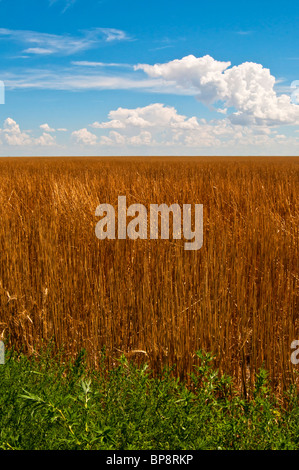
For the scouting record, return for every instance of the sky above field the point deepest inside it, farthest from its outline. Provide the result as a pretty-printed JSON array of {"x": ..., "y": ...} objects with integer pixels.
[{"x": 115, "y": 77}]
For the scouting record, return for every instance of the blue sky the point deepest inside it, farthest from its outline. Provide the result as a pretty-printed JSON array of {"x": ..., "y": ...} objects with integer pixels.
[{"x": 108, "y": 77}]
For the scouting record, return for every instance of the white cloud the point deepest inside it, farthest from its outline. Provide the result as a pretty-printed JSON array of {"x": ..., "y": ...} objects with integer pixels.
[
  {"x": 45, "y": 43},
  {"x": 46, "y": 128},
  {"x": 13, "y": 136},
  {"x": 83, "y": 136},
  {"x": 38, "y": 50},
  {"x": 69, "y": 79},
  {"x": 153, "y": 115},
  {"x": 144, "y": 138},
  {"x": 247, "y": 88},
  {"x": 87, "y": 63},
  {"x": 161, "y": 127},
  {"x": 113, "y": 124},
  {"x": 112, "y": 34},
  {"x": 155, "y": 129},
  {"x": 244, "y": 93},
  {"x": 67, "y": 4},
  {"x": 45, "y": 140},
  {"x": 115, "y": 138}
]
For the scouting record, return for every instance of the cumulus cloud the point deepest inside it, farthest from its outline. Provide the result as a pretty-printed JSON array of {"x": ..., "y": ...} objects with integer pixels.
[
  {"x": 47, "y": 128},
  {"x": 115, "y": 138},
  {"x": 153, "y": 115},
  {"x": 146, "y": 125},
  {"x": 159, "y": 124},
  {"x": 156, "y": 129},
  {"x": 247, "y": 89},
  {"x": 83, "y": 136},
  {"x": 113, "y": 124},
  {"x": 144, "y": 138},
  {"x": 45, "y": 140},
  {"x": 161, "y": 127},
  {"x": 12, "y": 135}
]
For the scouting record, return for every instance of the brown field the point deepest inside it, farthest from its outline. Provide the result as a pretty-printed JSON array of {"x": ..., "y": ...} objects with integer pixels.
[{"x": 236, "y": 297}]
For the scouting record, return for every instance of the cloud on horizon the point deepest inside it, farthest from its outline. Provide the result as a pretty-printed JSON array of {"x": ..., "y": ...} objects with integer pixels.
[
  {"x": 12, "y": 135},
  {"x": 159, "y": 126},
  {"x": 155, "y": 129}
]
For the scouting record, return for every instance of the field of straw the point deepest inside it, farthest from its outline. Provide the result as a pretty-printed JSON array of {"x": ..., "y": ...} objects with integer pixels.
[{"x": 236, "y": 297}]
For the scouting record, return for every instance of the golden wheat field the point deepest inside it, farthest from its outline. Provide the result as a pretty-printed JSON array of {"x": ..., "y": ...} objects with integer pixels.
[{"x": 236, "y": 297}]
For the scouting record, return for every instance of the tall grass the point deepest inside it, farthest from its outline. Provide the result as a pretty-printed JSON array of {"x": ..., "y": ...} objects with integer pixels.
[
  {"x": 236, "y": 297},
  {"x": 47, "y": 403}
]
